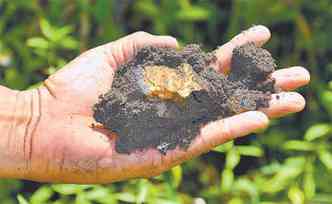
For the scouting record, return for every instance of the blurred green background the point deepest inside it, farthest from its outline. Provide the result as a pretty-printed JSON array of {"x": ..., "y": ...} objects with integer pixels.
[{"x": 291, "y": 162}]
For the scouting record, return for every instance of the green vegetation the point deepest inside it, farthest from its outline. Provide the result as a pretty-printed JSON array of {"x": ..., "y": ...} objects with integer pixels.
[{"x": 291, "y": 162}]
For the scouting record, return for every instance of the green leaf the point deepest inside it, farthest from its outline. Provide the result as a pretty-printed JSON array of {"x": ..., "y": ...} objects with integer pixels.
[
  {"x": 184, "y": 4},
  {"x": 148, "y": 8},
  {"x": 6, "y": 59},
  {"x": 81, "y": 199},
  {"x": 322, "y": 198},
  {"x": 177, "y": 175},
  {"x": 38, "y": 43},
  {"x": 22, "y": 200},
  {"x": 46, "y": 28},
  {"x": 34, "y": 86},
  {"x": 143, "y": 191},
  {"x": 326, "y": 99},
  {"x": 224, "y": 147},
  {"x": 65, "y": 189},
  {"x": 42, "y": 195},
  {"x": 267, "y": 202},
  {"x": 14, "y": 79},
  {"x": 295, "y": 195},
  {"x": 232, "y": 159},
  {"x": 126, "y": 197},
  {"x": 51, "y": 70},
  {"x": 69, "y": 189},
  {"x": 290, "y": 170},
  {"x": 236, "y": 201},
  {"x": 194, "y": 13},
  {"x": 60, "y": 33},
  {"x": 330, "y": 84},
  {"x": 317, "y": 131},
  {"x": 271, "y": 168},
  {"x": 247, "y": 186},
  {"x": 69, "y": 43},
  {"x": 309, "y": 184},
  {"x": 326, "y": 158},
  {"x": 227, "y": 179},
  {"x": 101, "y": 194},
  {"x": 298, "y": 145},
  {"x": 163, "y": 201},
  {"x": 296, "y": 162},
  {"x": 250, "y": 151}
]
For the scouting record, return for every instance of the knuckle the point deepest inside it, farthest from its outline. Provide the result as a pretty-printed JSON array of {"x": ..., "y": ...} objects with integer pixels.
[
  {"x": 262, "y": 118},
  {"x": 225, "y": 132},
  {"x": 203, "y": 144},
  {"x": 222, "y": 133},
  {"x": 158, "y": 164}
]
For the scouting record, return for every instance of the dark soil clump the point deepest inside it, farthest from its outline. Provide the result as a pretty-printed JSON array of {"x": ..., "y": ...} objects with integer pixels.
[{"x": 163, "y": 97}]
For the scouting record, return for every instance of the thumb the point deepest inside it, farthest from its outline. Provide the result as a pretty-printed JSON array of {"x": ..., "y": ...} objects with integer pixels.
[
  {"x": 122, "y": 50},
  {"x": 93, "y": 70}
]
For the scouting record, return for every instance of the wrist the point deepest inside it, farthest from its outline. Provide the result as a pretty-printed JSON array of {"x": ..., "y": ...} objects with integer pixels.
[{"x": 19, "y": 115}]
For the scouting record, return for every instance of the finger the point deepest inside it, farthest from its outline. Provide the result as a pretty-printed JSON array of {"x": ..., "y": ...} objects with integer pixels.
[
  {"x": 291, "y": 78},
  {"x": 285, "y": 103},
  {"x": 220, "y": 131},
  {"x": 217, "y": 133},
  {"x": 141, "y": 39},
  {"x": 257, "y": 34},
  {"x": 125, "y": 48}
]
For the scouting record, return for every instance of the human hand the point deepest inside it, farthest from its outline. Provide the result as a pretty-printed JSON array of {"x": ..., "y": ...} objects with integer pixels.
[{"x": 63, "y": 147}]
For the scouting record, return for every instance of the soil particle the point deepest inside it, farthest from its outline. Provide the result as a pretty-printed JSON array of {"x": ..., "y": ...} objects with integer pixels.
[{"x": 163, "y": 97}]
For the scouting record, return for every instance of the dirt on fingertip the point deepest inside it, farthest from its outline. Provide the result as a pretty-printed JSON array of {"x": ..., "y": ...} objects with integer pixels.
[{"x": 162, "y": 97}]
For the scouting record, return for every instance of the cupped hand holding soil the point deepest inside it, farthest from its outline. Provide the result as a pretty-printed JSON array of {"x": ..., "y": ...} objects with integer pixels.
[
  {"x": 163, "y": 97},
  {"x": 66, "y": 148}
]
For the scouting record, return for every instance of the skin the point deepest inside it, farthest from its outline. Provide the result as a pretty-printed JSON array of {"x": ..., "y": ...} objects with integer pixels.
[{"x": 47, "y": 134}]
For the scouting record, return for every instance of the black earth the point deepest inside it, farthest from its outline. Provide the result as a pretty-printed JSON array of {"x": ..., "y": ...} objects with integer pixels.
[{"x": 162, "y": 97}]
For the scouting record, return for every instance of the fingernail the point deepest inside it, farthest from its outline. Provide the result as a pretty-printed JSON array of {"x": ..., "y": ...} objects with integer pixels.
[
  {"x": 294, "y": 77},
  {"x": 299, "y": 72},
  {"x": 250, "y": 122},
  {"x": 257, "y": 28}
]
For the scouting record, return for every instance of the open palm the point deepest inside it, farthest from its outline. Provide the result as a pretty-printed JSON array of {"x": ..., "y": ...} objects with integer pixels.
[{"x": 66, "y": 148}]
